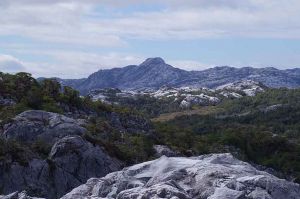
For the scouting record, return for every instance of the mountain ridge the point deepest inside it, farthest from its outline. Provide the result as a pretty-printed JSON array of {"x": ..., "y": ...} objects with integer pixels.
[{"x": 155, "y": 72}]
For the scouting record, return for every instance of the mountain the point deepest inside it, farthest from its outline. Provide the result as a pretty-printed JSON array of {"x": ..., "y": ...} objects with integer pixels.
[{"x": 154, "y": 73}]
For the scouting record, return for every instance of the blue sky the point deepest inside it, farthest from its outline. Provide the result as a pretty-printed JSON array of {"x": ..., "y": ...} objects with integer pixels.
[{"x": 73, "y": 38}]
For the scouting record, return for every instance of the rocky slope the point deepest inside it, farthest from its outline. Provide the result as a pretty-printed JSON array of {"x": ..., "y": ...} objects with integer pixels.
[
  {"x": 154, "y": 73},
  {"x": 47, "y": 154},
  {"x": 212, "y": 176},
  {"x": 185, "y": 97},
  {"x": 71, "y": 160},
  {"x": 209, "y": 176}
]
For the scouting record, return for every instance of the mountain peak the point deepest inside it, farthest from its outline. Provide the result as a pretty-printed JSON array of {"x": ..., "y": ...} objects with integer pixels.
[{"x": 153, "y": 61}]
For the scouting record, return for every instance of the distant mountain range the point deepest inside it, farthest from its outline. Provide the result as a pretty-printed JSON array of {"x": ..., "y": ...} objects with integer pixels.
[{"x": 154, "y": 73}]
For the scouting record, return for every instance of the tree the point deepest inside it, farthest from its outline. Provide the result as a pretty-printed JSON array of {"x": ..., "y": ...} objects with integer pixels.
[
  {"x": 34, "y": 98},
  {"x": 23, "y": 83},
  {"x": 71, "y": 96},
  {"x": 51, "y": 88}
]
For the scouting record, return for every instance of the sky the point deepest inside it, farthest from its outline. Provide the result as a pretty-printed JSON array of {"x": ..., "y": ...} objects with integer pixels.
[{"x": 74, "y": 38}]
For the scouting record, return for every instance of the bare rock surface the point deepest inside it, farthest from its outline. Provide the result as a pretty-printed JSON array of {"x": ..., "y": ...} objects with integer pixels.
[
  {"x": 18, "y": 195},
  {"x": 215, "y": 176},
  {"x": 34, "y": 125},
  {"x": 71, "y": 162},
  {"x": 6, "y": 101}
]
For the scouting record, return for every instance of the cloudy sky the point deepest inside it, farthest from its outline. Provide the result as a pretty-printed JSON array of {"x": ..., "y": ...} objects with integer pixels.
[{"x": 73, "y": 38}]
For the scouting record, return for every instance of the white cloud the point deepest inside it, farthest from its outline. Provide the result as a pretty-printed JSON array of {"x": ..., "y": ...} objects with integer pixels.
[
  {"x": 74, "y": 24},
  {"x": 61, "y": 23},
  {"x": 78, "y": 64},
  {"x": 251, "y": 19},
  {"x": 67, "y": 64},
  {"x": 189, "y": 65},
  {"x": 10, "y": 64},
  {"x": 83, "y": 64}
]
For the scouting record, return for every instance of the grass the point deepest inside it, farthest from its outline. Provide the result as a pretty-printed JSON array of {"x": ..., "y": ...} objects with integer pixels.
[{"x": 205, "y": 110}]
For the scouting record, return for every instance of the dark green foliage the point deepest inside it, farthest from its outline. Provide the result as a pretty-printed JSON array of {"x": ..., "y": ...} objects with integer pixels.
[
  {"x": 11, "y": 151},
  {"x": 51, "y": 88},
  {"x": 42, "y": 148},
  {"x": 130, "y": 148},
  {"x": 135, "y": 148},
  {"x": 16, "y": 86},
  {"x": 144, "y": 104},
  {"x": 71, "y": 96},
  {"x": 150, "y": 106},
  {"x": 30, "y": 94}
]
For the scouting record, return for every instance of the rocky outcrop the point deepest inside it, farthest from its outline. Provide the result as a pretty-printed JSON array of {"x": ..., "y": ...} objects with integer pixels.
[
  {"x": 162, "y": 150},
  {"x": 183, "y": 97},
  {"x": 6, "y": 101},
  {"x": 34, "y": 125},
  {"x": 272, "y": 108},
  {"x": 71, "y": 162},
  {"x": 246, "y": 87},
  {"x": 212, "y": 176},
  {"x": 75, "y": 156}
]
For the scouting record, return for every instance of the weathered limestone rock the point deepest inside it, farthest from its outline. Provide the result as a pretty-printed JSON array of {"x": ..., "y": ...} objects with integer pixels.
[
  {"x": 215, "y": 176},
  {"x": 34, "y": 125}
]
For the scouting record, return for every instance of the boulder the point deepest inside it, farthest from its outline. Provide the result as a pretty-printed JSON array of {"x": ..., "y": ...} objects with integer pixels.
[
  {"x": 34, "y": 125},
  {"x": 214, "y": 176},
  {"x": 79, "y": 158}
]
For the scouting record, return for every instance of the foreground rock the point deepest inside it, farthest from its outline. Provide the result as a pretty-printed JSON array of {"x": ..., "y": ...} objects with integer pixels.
[
  {"x": 216, "y": 176},
  {"x": 18, "y": 195},
  {"x": 34, "y": 125},
  {"x": 71, "y": 162}
]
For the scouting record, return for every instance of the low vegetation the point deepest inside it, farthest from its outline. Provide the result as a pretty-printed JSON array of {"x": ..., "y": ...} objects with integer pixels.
[{"x": 264, "y": 129}]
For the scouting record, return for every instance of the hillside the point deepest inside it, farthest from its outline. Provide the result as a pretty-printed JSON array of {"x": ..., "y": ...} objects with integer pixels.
[
  {"x": 264, "y": 129},
  {"x": 170, "y": 99}
]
